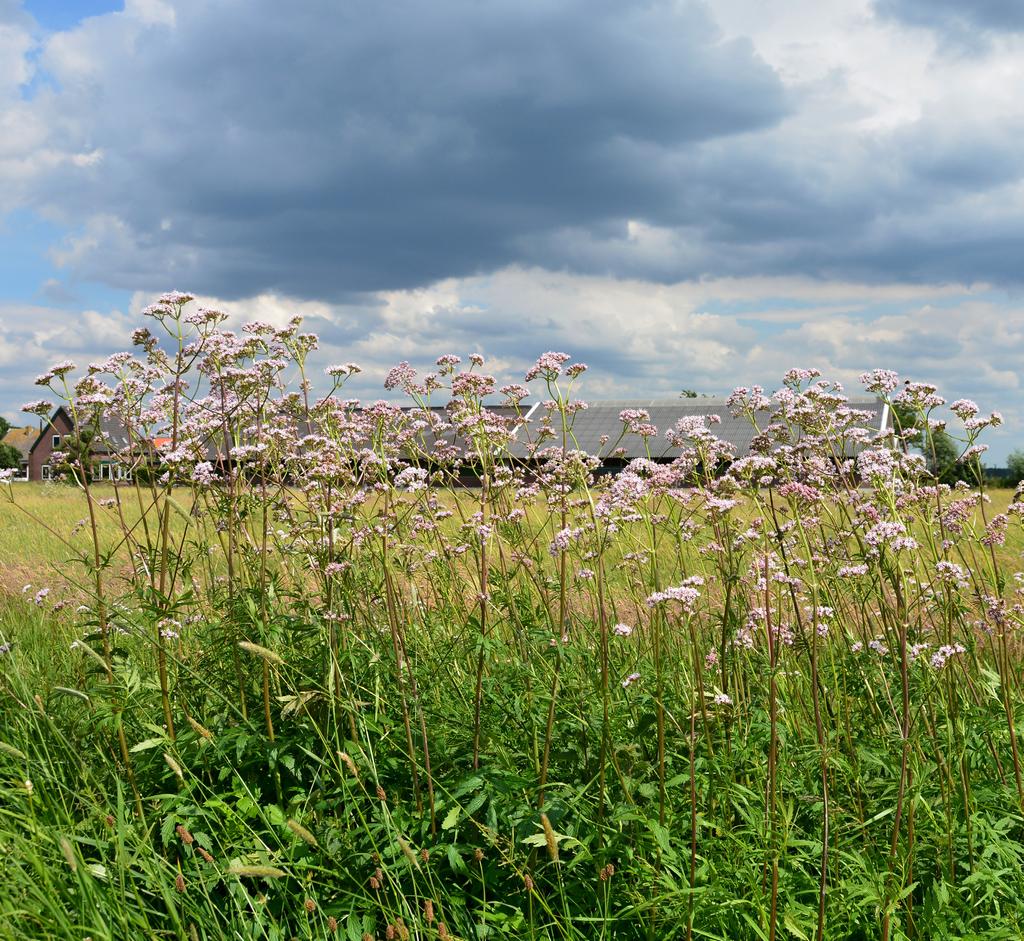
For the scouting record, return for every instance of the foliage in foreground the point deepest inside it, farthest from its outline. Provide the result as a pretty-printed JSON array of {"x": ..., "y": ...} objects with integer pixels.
[{"x": 318, "y": 692}]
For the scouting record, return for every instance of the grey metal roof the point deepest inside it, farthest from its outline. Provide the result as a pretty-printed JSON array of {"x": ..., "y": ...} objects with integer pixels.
[
  {"x": 587, "y": 428},
  {"x": 602, "y": 418},
  {"x": 113, "y": 433}
]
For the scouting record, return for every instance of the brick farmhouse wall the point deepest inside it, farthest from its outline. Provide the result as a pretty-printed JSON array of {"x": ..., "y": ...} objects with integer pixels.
[{"x": 40, "y": 455}]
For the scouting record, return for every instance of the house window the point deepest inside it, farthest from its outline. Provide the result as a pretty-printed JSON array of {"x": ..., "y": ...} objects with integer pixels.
[
  {"x": 46, "y": 472},
  {"x": 56, "y": 441}
]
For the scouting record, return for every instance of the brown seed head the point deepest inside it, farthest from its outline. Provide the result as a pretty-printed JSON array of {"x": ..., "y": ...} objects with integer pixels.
[
  {"x": 204, "y": 854},
  {"x": 184, "y": 835},
  {"x": 374, "y": 883},
  {"x": 425, "y": 855},
  {"x": 381, "y": 794},
  {"x": 607, "y": 872},
  {"x": 478, "y": 855},
  {"x": 428, "y": 911},
  {"x": 349, "y": 763},
  {"x": 179, "y": 882},
  {"x": 549, "y": 838},
  {"x": 310, "y": 906},
  {"x": 109, "y": 820},
  {"x": 442, "y": 931},
  {"x": 389, "y": 932},
  {"x": 528, "y": 882},
  {"x": 199, "y": 729}
]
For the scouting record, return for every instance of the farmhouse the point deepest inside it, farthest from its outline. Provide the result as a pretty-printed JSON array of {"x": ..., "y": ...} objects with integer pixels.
[
  {"x": 53, "y": 436},
  {"x": 21, "y": 439}
]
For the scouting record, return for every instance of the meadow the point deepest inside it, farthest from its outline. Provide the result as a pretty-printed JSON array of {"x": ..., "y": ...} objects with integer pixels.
[{"x": 296, "y": 681}]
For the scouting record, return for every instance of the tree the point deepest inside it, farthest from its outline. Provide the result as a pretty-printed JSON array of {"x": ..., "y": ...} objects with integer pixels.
[
  {"x": 940, "y": 450},
  {"x": 10, "y": 457},
  {"x": 5, "y": 426},
  {"x": 1015, "y": 463}
]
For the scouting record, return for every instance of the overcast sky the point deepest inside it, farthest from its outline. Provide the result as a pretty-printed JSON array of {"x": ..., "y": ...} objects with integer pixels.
[{"x": 682, "y": 194}]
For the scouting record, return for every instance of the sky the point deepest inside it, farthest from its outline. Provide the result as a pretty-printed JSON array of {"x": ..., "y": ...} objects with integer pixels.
[{"x": 682, "y": 194}]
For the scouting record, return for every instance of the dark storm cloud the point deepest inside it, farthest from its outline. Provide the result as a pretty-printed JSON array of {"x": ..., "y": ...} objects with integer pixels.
[
  {"x": 316, "y": 149},
  {"x": 319, "y": 150}
]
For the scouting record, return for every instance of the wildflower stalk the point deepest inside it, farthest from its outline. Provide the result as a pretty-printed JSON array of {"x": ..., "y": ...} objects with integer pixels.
[
  {"x": 563, "y": 624},
  {"x": 773, "y": 751},
  {"x": 398, "y": 648},
  {"x": 478, "y": 692},
  {"x": 904, "y": 714}
]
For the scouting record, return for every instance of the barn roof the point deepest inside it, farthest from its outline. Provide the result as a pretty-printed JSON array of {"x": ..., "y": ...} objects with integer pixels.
[
  {"x": 112, "y": 433},
  {"x": 602, "y": 418},
  {"x": 21, "y": 439}
]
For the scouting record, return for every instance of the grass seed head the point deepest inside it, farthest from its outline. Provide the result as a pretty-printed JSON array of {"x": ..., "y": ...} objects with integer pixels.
[
  {"x": 69, "y": 853},
  {"x": 300, "y": 831},
  {"x": 199, "y": 729},
  {"x": 257, "y": 651},
  {"x": 174, "y": 766},
  {"x": 349, "y": 763},
  {"x": 408, "y": 853},
  {"x": 257, "y": 872},
  {"x": 13, "y": 752},
  {"x": 549, "y": 838}
]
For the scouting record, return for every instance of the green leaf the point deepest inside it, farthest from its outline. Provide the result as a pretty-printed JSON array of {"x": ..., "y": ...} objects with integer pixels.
[
  {"x": 451, "y": 818},
  {"x": 455, "y": 860},
  {"x": 661, "y": 834}
]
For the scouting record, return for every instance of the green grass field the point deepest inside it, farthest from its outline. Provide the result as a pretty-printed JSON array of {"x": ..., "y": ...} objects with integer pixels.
[
  {"x": 316, "y": 690},
  {"x": 344, "y": 778}
]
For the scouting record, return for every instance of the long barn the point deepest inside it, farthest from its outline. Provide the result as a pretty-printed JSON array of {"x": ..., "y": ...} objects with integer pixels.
[{"x": 598, "y": 430}]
